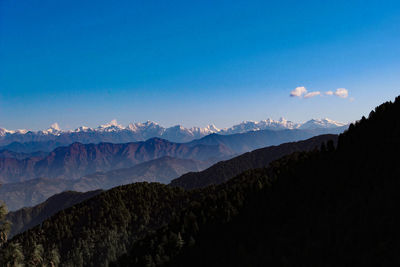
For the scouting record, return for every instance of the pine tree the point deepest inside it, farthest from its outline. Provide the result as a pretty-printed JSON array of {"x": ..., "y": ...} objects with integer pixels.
[
  {"x": 36, "y": 257},
  {"x": 4, "y": 225},
  {"x": 12, "y": 256},
  {"x": 53, "y": 258}
]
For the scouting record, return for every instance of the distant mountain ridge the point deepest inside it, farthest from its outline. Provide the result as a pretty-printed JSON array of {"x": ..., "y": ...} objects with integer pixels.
[
  {"x": 77, "y": 160},
  {"x": 116, "y": 133},
  {"x": 32, "y": 192}
]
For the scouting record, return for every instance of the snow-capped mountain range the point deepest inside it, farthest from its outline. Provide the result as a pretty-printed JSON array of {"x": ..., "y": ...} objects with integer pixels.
[{"x": 114, "y": 132}]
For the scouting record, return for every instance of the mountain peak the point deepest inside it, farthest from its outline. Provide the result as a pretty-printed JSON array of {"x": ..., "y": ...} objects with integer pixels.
[
  {"x": 111, "y": 123},
  {"x": 55, "y": 126},
  {"x": 321, "y": 123},
  {"x": 4, "y": 131},
  {"x": 212, "y": 127},
  {"x": 111, "y": 126},
  {"x": 83, "y": 129}
]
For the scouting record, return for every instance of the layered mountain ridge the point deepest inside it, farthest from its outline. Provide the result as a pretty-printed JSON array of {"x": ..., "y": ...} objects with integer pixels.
[
  {"x": 77, "y": 160},
  {"x": 32, "y": 192}
]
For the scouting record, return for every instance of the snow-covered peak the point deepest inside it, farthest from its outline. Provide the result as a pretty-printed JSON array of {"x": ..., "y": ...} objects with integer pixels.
[
  {"x": 4, "y": 131},
  {"x": 321, "y": 123},
  {"x": 131, "y": 126},
  {"x": 144, "y": 126},
  {"x": 112, "y": 126},
  {"x": 211, "y": 128},
  {"x": 83, "y": 129},
  {"x": 53, "y": 130},
  {"x": 55, "y": 127},
  {"x": 20, "y": 131},
  {"x": 268, "y": 124},
  {"x": 150, "y": 123}
]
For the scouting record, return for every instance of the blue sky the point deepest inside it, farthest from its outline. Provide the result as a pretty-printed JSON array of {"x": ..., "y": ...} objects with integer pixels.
[{"x": 193, "y": 62}]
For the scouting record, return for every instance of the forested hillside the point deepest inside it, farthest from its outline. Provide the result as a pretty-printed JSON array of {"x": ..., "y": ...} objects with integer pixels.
[{"x": 98, "y": 230}]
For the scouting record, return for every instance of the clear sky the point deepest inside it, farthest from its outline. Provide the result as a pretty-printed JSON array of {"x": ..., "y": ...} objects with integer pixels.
[{"x": 194, "y": 62}]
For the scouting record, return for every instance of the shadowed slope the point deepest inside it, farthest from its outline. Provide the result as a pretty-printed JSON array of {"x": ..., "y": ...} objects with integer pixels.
[{"x": 225, "y": 170}]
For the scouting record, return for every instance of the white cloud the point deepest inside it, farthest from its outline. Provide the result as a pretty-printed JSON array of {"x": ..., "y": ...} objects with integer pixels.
[
  {"x": 302, "y": 92},
  {"x": 298, "y": 91},
  {"x": 312, "y": 94},
  {"x": 341, "y": 92}
]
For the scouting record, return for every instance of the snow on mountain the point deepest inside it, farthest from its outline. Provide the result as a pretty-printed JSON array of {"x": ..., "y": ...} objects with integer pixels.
[
  {"x": 145, "y": 129},
  {"x": 321, "y": 123},
  {"x": 209, "y": 129},
  {"x": 3, "y": 132},
  {"x": 267, "y": 124},
  {"x": 55, "y": 127},
  {"x": 112, "y": 126},
  {"x": 114, "y": 132},
  {"x": 82, "y": 129},
  {"x": 53, "y": 130}
]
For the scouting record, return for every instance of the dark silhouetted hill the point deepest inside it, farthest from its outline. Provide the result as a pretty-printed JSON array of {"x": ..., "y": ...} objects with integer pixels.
[{"x": 225, "y": 170}]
